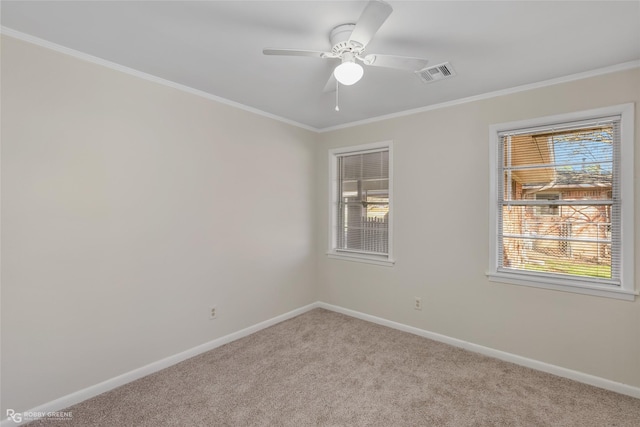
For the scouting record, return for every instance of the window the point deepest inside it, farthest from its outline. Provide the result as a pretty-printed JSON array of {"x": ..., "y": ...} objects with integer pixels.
[
  {"x": 543, "y": 210},
  {"x": 361, "y": 200},
  {"x": 562, "y": 202}
]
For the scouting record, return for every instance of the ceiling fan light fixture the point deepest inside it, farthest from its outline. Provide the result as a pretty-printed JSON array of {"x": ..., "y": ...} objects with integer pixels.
[{"x": 349, "y": 72}]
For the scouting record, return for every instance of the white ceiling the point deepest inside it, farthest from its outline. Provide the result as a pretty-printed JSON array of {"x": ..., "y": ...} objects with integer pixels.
[{"x": 216, "y": 47}]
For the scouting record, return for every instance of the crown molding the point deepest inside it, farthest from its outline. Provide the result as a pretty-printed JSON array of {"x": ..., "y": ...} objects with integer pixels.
[
  {"x": 149, "y": 77},
  {"x": 565, "y": 79}
]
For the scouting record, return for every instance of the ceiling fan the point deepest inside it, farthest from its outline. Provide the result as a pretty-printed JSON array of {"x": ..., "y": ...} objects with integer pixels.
[{"x": 349, "y": 42}]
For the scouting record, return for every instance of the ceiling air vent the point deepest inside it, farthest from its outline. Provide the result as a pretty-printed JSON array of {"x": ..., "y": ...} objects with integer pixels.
[{"x": 437, "y": 72}]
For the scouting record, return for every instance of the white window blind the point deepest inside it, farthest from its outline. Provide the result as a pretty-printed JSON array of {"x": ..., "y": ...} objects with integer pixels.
[
  {"x": 559, "y": 201},
  {"x": 361, "y": 202}
]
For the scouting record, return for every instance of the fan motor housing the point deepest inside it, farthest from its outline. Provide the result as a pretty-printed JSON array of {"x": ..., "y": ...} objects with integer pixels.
[{"x": 339, "y": 38}]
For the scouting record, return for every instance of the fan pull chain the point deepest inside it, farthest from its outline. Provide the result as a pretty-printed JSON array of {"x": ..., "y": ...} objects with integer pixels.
[{"x": 337, "y": 106}]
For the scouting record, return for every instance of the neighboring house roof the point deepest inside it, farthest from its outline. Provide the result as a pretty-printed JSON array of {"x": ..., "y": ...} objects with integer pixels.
[{"x": 574, "y": 179}]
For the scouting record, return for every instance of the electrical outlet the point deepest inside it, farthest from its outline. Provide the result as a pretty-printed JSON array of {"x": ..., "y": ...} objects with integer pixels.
[
  {"x": 213, "y": 313},
  {"x": 417, "y": 303}
]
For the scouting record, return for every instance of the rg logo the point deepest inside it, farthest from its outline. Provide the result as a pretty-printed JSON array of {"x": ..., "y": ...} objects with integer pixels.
[{"x": 15, "y": 416}]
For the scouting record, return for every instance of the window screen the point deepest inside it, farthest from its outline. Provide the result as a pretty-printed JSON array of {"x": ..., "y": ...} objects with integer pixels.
[
  {"x": 362, "y": 205},
  {"x": 559, "y": 204}
]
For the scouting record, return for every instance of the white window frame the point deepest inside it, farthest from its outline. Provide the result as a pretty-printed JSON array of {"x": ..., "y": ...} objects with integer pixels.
[
  {"x": 626, "y": 290},
  {"x": 333, "y": 252}
]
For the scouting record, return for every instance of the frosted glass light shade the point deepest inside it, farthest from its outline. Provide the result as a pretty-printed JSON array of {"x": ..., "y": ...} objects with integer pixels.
[{"x": 348, "y": 73}]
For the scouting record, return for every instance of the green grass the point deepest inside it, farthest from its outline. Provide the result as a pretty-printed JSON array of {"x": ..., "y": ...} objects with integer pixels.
[{"x": 574, "y": 267}]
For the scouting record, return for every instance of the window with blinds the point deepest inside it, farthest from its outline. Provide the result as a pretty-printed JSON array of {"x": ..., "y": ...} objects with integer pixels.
[
  {"x": 559, "y": 200},
  {"x": 361, "y": 201},
  {"x": 562, "y": 202}
]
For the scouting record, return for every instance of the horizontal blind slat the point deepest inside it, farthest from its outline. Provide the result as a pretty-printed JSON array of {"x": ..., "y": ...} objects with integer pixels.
[{"x": 558, "y": 199}]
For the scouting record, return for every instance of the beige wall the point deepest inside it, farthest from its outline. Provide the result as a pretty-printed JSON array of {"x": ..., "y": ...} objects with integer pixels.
[
  {"x": 128, "y": 209},
  {"x": 441, "y": 188}
]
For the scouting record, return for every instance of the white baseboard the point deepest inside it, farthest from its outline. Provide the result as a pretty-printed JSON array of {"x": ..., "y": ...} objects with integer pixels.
[
  {"x": 110, "y": 384},
  {"x": 89, "y": 392},
  {"x": 593, "y": 380}
]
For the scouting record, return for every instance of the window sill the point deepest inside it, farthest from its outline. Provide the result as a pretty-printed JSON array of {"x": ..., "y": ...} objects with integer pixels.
[
  {"x": 523, "y": 279},
  {"x": 358, "y": 257}
]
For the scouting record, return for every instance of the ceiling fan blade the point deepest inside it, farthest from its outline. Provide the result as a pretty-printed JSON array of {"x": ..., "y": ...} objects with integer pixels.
[
  {"x": 372, "y": 18},
  {"x": 297, "y": 52},
  {"x": 331, "y": 84},
  {"x": 398, "y": 62}
]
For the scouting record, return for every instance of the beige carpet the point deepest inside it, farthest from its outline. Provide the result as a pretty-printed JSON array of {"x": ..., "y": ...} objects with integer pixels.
[{"x": 326, "y": 369}]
